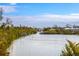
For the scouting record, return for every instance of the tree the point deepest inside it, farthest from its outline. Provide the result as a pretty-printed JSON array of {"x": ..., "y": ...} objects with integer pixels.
[
  {"x": 8, "y": 21},
  {"x": 1, "y": 13},
  {"x": 55, "y": 27},
  {"x": 68, "y": 25}
]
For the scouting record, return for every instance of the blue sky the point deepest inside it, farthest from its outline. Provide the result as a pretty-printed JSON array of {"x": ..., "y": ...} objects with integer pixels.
[
  {"x": 36, "y": 9},
  {"x": 43, "y": 14}
]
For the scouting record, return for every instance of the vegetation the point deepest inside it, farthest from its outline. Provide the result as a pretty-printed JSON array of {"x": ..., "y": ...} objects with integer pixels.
[
  {"x": 9, "y": 34},
  {"x": 71, "y": 49},
  {"x": 60, "y": 30}
]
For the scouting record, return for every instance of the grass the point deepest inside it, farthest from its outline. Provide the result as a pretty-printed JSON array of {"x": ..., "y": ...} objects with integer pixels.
[
  {"x": 71, "y": 49},
  {"x": 8, "y": 35}
]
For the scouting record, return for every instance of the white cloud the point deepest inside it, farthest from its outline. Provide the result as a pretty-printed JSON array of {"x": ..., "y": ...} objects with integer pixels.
[
  {"x": 75, "y": 14},
  {"x": 8, "y": 9},
  {"x": 12, "y": 3},
  {"x": 68, "y": 18},
  {"x": 45, "y": 19},
  {"x": 48, "y": 17}
]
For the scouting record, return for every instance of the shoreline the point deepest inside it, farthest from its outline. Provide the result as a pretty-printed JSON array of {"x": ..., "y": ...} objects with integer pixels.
[{"x": 57, "y": 34}]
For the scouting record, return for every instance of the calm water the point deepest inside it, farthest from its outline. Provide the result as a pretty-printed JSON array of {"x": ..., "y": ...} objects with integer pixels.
[{"x": 41, "y": 45}]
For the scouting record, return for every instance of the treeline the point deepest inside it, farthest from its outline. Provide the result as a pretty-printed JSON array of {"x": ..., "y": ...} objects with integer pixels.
[{"x": 61, "y": 30}]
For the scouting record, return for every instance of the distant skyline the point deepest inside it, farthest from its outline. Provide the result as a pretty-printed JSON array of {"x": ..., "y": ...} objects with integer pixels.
[{"x": 41, "y": 14}]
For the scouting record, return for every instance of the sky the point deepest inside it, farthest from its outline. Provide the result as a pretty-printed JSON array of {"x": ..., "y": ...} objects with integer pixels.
[{"x": 41, "y": 14}]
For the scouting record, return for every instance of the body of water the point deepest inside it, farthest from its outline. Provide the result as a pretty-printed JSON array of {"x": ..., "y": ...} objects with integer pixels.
[{"x": 41, "y": 45}]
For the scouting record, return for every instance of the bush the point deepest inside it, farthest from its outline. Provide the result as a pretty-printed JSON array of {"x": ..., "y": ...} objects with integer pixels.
[
  {"x": 8, "y": 35},
  {"x": 71, "y": 49}
]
